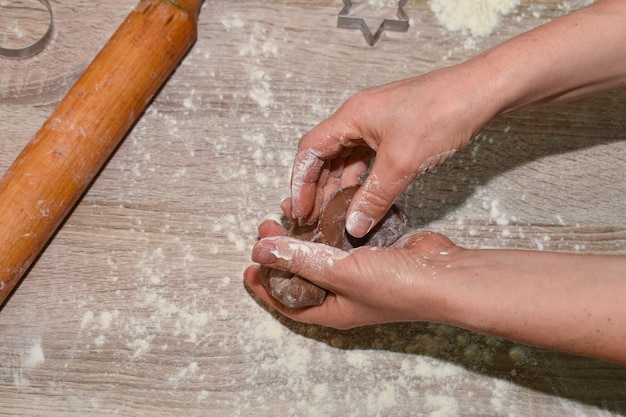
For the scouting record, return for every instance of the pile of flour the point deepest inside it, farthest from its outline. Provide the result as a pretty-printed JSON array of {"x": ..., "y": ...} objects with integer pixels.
[{"x": 477, "y": 18}]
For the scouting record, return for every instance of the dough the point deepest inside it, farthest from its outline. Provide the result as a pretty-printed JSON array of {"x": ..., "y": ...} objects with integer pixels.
[{"x": 296, "y": 292}]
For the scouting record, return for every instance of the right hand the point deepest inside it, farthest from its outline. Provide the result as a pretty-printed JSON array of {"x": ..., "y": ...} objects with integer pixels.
[{"x": 410, "y": 127}]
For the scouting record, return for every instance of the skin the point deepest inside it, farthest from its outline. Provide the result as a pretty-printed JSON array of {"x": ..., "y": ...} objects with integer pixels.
[{"x": 566, "y": 302}]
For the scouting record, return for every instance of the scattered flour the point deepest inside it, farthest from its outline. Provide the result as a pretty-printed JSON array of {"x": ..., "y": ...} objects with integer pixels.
[
  {"x": 234, "y": 21},
  {"x": 496, "y": 214},
  {"x": 30, "y": 359},
  {"x": 34, "y": 356},
  {"x": 193, "y": 101},
  {"x": 500, "y": 392},
  {"x": 261, "y": 46},
  {"x": 383, "y": 398},
  {"x": 441, "y": 405},
  {"x": 16, "y": 29}
]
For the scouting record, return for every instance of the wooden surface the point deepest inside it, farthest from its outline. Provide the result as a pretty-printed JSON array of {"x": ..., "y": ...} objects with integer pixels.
[{"x": 137, "y": 306}]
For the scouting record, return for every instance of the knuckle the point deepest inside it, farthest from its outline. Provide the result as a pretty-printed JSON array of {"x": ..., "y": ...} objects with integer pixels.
[{"x": 373, "y": 198}]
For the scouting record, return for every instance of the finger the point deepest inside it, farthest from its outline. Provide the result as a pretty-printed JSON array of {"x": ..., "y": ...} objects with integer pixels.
[
  {"x": 348, "y": 168},
  {"x": 374, "y": 199},
  {"x": 323, "y": 314},
  {"x": 286, "y": 207},
  {"x": 392, "y": 172},
  {"x": 318, "y": 198},
  {"x": 323, "y": 143},
  {"x": 333, "y": 182},
  {"x": 271, "y": 228},
  {"x": 342, "y": 171},
  {"x": 356, "y": 165},
  {"x": 313, "y": 261}
]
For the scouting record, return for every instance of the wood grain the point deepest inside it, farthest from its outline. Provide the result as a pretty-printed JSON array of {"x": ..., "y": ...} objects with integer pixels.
[
  {"x": 137, "y": 306},
  {"x": 54, "y": 170}
]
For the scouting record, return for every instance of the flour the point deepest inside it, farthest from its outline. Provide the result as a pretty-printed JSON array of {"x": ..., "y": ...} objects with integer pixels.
[
  {"x": 385, "y": 397},
  {"x": 434, "y": 161},
  {"x": 496, "y": 214},
  {"x": 16, "y": 29},
  {"x": 476, "y": 18},
  {"x": 260, "y": 91},
  {"x": 34, "y": 356},
  {"x": 193, "y": 101},
  {"x": 87, "y": 318},
  {"x": 303, "y": 164},
  {"x": 31, "y": 358},
  {"x": 441, "y": 405},
  {"x": 500, "y": 393},
  {"x": 231, "y": 22},
  {"x": 260, "y": 46},
  {"x": 183, "y": 374},
  {"x": 358, "y": 359}
]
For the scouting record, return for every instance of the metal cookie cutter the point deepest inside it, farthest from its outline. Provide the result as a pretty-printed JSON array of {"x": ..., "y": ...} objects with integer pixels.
[
  {"x": 345, "y": 21},
  {"x": 34, "y": 48}
]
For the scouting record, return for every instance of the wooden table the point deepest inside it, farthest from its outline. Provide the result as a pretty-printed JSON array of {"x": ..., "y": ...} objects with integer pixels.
[{"x": 137, "y": 307}]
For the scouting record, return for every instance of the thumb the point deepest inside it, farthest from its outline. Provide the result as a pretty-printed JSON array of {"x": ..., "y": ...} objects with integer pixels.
[
  {"x": 391, "y": 174},
  {"x": 375, "y": 197},
  {"x": 313, "y": 261}
]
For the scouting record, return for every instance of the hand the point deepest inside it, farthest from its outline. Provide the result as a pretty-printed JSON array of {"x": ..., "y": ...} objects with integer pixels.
[
  {"x": 415, "y": 124},
  {"x": 366, "y": 285},
  {"x": 558, "y": 301},
  {"x": 410, "y": 126}
]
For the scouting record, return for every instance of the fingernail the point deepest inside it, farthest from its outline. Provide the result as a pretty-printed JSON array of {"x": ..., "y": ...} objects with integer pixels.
[
  {"x": 359, "y": 224},
  {"x": 263, "y": 252}
]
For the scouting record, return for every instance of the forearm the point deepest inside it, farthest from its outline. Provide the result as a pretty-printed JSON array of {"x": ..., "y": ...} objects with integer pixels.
[
  {"x": 564, "y": 302},
  {"x": 574, "y": 56},
  {"x": 571, "y": 303}
]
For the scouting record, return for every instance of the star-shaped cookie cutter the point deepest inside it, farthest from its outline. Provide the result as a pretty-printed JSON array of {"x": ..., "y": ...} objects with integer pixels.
[{"x": 345, "y": 21}]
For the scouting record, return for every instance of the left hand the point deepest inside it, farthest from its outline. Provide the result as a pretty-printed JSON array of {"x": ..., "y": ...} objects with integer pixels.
[{"x": 366, "y": 285}]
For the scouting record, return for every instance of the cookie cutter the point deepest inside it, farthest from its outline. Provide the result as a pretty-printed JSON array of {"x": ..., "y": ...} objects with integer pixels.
[
  {"x": 345, "y": 21},
  {"x": 34, "y": 48}
]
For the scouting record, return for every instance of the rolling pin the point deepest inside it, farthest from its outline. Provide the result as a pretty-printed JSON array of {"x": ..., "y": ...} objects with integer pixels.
[{"x": 55, "y": 168}]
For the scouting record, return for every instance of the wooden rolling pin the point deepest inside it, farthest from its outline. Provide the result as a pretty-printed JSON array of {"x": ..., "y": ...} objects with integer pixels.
[{"x": 56, "y": 167}]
